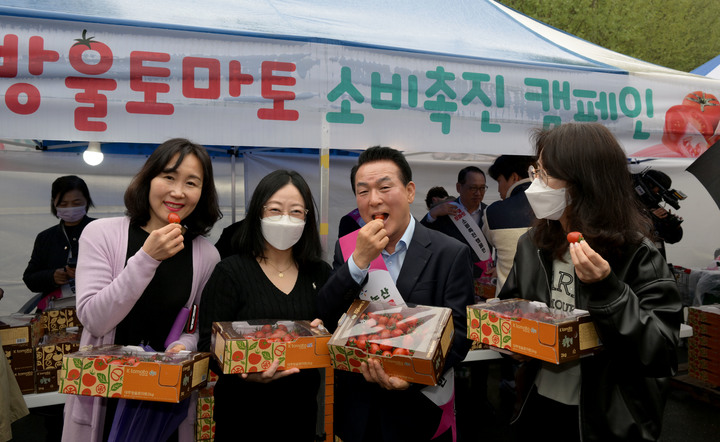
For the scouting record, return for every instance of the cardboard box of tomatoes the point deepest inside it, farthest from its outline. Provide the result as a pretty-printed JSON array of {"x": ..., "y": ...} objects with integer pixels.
[
  {"x": 410, "y": 341},
  {"x": 252, "y": 346},
  {"x": 704, "y": 344},
  {"x": 532, "y": 329},
  {"x": 125, "y": 372}
]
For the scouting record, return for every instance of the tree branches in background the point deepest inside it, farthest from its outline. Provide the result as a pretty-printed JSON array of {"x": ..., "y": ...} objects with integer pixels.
[{"x": 679, "y": 34}]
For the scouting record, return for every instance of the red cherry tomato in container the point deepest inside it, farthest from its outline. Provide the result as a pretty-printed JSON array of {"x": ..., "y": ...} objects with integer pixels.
[
  {"x": 575, "y": 237},
  {"x": 174, "y": 218}
]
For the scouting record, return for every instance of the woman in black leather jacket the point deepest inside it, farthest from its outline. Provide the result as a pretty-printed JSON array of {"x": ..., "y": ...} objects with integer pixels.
[{"x": 583, "y": 184}]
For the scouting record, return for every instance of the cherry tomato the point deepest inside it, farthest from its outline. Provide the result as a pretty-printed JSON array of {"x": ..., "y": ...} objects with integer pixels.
[
  {"x": 379, "y": 216},
  {"x": 575, "y": 237},
  {"x": 174, "y": 218}
]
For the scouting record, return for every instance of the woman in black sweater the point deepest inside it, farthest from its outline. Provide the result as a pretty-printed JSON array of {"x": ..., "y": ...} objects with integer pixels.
[{"x": 276, "y": 275}]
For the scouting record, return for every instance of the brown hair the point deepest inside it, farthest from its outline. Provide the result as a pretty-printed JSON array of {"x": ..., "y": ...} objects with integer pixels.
[
  {"x": 601, "y": 201},
  {"x": 137, "y": 195}
]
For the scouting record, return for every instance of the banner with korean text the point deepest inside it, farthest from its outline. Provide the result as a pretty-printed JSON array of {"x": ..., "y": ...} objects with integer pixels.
[{"x": 67, "y": 80}]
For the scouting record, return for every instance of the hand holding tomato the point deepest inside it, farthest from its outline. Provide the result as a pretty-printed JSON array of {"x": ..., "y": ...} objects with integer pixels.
[
  {"x": 164, "y": 242},
  {"x": 371, "y": 240},
  {"x": 373, "y": 371},
  {"x": 270, "y": 374},
  {"x": 589, "y": 265}
]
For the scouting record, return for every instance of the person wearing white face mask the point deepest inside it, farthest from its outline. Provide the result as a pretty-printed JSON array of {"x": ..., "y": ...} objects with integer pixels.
[
  {"x": 582, "y": 184},
  {"x": 276, "y": 274},
  {"x": 51, "y": 269}
]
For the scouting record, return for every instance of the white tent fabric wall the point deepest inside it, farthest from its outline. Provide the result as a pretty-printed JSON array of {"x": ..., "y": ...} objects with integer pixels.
[{"x": 27, "y": 178}]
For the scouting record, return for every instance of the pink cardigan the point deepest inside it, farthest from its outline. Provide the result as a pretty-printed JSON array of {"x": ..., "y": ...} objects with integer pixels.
[{"x": 107, "y": 290}]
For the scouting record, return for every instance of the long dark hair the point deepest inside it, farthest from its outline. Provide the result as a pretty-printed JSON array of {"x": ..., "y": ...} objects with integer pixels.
[
  {"x": 137, "y": 195},
  {"x": 602, "y": 203},
  {"x": 65, "y": 184},
  {"x": 249, "y": 238}
]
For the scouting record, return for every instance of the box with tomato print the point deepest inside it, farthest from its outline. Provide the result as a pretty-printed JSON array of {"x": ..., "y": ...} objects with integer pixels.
[
  {"x": 124, "y": 372},
  {"x": 532, "y": 329},
  {"x": 252, "y": 346},
  {"x": 410, "y": 341}
]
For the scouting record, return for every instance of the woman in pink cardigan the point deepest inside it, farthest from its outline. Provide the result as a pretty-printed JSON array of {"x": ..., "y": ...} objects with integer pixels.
[{"x": 136, "y": 273}]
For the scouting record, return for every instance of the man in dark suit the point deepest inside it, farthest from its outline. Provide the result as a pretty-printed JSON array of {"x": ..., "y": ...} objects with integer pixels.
[
  {"x": 429, "y": 269},
  {"x": 471, "y": 187}
]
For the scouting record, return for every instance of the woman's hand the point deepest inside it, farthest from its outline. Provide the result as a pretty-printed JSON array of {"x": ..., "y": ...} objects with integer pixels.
[
  {"x": 373, "y": 372},
  {"x": 270, "y": 374},
  {"x": 175, "y": 348},
  {"x": 60, "y": 276},
  {"x": 589, "y": 265},
  {"x": 164, "y": 242}
]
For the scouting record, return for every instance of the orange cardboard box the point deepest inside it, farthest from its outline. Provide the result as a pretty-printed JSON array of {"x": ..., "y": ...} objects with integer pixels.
[
  {"x": 530, "y": 328},
  {"x": 123, "y": 372},
  {"x": 252, "y": 346},
  {"x": 420, "y": 338}
]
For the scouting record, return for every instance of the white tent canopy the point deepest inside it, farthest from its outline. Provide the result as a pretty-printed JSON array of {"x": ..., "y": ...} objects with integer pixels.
[{"x": 465, "y": 78}]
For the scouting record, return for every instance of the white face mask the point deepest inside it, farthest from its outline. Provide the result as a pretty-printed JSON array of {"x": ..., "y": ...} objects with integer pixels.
[
  {"x": 282, "y": 233},
  {"x": 71, "y": 214},
  {"x": 546, "y": 202}
]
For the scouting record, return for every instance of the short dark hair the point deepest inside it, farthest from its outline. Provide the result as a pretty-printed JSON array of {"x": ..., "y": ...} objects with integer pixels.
[
  {"x": 249, "y": 239},
  {"x": 137, "y": 195},
  {"x": 506, "y": 165},
  {"x": 604, "y": 208},
  {"x": 65, "y": 184},
  {"x": 462, "y": 175},
  {"x": 383, "y": 153},
  {"x": 435, "y": 192},
  {"x": 353, "y": 172}
]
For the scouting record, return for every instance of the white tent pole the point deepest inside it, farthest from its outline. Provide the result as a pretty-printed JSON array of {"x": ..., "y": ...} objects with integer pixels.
[
  {"x": 232, "y": 181},
  {"x": 324, "y": 182}
]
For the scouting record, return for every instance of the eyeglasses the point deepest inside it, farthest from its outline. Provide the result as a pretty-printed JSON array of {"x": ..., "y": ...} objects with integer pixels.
[
  {"x": 275, "y": 213},
  {"x": 538, "y": 173},
  {"x": 477, "y": 189}
]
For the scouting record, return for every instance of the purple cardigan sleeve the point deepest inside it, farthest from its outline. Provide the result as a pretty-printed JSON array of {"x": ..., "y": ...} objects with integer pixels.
[{"x": 107, "y": 289}]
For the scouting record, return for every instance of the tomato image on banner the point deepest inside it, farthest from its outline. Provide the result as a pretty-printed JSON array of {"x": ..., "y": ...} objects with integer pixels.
[{"x": 691, "y": 127}]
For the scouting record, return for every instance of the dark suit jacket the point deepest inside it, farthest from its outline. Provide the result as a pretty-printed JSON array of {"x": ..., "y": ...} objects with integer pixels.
[{"x": 437, "y": 271}]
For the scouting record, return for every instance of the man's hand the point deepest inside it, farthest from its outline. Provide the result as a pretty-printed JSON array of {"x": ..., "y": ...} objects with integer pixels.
[
  {"x": 164, "y": 242},
  {"x": 442, "y": 209},
  {"x": 371, "y": 240},
  {"x": 373, "y": 372}
]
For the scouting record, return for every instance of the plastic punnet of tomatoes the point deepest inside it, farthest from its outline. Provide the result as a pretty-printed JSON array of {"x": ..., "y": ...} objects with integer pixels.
[
  {"x": 252, "y": 346},
  {"x": 117, "y": 371},
  {"x": 533, "y": 329},
  {"x": 410, "y": 341}
]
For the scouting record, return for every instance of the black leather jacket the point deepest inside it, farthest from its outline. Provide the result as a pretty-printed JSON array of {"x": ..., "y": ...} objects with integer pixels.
[{"x": 637, "y": 312}]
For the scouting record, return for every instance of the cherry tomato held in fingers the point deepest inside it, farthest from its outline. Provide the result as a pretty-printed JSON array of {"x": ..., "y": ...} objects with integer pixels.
[
  {"x": 575, "y": 237},
  {"x": 174, "y": 218}
]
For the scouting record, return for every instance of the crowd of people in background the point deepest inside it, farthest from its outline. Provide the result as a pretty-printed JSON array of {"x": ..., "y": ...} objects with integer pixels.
[{"x": 133, "y": 275}]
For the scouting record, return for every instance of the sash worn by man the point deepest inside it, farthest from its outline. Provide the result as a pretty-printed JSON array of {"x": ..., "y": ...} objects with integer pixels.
[{"x": 428, "y": 268}]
